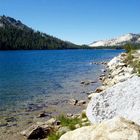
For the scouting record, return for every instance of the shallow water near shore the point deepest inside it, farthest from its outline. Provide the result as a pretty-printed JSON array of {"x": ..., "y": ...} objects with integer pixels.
[{"x": 32, "y": 81}]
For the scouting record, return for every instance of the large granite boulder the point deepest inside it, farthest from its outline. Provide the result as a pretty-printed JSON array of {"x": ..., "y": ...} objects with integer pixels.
[
  {"x": 115, "y": 129},
  {"x": 122, "y": 99}
]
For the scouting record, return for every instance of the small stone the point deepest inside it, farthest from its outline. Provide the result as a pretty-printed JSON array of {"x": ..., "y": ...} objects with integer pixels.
[
  {"x": 100, "y": 78},
  {"x": 76, "y": 116},
  {"x": 43, "y": 114},
  {"x": 98, "y": 90},
  {"x": 51, "y": 121},
  {"x": 91, "y": 95},
  {"x": 57, "y": 122},
  {"x": 3, "y": 124},
  {"x": 87, "y": 83},
  {"x": 93, "y": 81},
  {"x": 11, "y": 119},
  {"x": 90, "y": 92},
  {"x": 73, "y": 102},
  {"x": 12, "y": 125},
  {"x": 69, "y": 115},
  {"x": 81, "y": 102},
  {"x": 82, "y": 82},
  {"x": 102, "y": 75},
  {"x": 84, "y": 120}
]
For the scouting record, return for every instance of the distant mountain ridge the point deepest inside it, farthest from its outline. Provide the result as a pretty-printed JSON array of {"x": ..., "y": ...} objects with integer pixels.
[
  {"x": 14, "y": 35},
  {"x": 119, "y": 41},
  {"x": 8, "y": 21}
]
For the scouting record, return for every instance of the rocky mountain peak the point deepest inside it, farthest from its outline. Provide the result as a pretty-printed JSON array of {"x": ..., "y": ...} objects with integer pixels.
[
  {"x": 119, "y": 41},
  {"x": 11, "y": 22}
]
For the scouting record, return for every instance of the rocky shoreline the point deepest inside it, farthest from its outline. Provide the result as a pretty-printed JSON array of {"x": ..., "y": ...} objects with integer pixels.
[
  {"x": 43, "y": 129},
  {"x": 109, "y": 104},
  {"x": 113, "y": 109},
  {"x": 54, "y": 126}
]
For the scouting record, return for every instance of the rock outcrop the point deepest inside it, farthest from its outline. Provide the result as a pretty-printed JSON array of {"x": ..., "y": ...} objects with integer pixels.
[
  {"x": 118, "y": 71},
  {"x": 119, "y": 41},
  {"x": 115, "y": 129},
  {"x": 122, "y": 99},
  {"x": 121, "y": 95}
]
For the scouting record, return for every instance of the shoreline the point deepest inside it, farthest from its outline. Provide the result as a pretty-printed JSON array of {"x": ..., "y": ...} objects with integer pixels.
[
  {"x": 12, "y": 125},
  {"x": 69, "y": 114},
  {"x": 113, "y": 109},
  {"x": 74, "y": 103},
  {"x": 117, "y": 73}
]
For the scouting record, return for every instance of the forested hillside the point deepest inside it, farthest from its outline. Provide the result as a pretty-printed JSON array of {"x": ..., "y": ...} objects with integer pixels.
[{"x": 16, "y": 36}]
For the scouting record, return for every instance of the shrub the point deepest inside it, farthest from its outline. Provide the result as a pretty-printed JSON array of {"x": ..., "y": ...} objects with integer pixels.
[{"x": 128, "y": 48}]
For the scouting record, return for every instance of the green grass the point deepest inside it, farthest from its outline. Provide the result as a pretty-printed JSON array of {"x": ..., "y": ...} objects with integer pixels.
[
  {"x": 136, "y": 65},
  {"x": 69, "y": 122},
  {"x": 84, "y": 115},
  {"x": 129, "y": 58},
  {"x": 54, "y": 136},
  {"x": 65, "y": 122},
  {"x": 130, "y": 49}
]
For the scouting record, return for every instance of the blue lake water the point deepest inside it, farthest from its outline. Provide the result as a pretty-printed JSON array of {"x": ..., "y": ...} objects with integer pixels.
[{"x": 26, "y": 76}]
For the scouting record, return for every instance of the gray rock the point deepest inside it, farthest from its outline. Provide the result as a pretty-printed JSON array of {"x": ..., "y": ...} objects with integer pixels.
[
  {"x": 69, "y": 115},
  {"x": 81, "y": 102},
  {"x": 37, "y": 132},
  {"x": 115, "y": 129},
  {"x": 88, "y": 82},
  {"x": 42, "y": 114},
  {"x": 122, "y": 99},
  {"x": 98, "y": 90},
  {"x": 73, "y": 101},
  {"x": 11, "y": 119}
]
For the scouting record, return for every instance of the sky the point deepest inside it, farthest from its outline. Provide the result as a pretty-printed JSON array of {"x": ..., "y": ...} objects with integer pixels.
[{"x": 78, "y": 21}]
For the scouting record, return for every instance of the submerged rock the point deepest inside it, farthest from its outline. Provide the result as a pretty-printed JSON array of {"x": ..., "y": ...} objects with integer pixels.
[
  {"x": 88, "y": 82},
  {"x": 114, "y": 129},
  {"x": 11, "y": 119},
  {"x": 81, "y": 102},
  {"x": 73, "y": 101},
  {"x": 77, "y": 102},
  {"x": 3, "y": 124},
  {"x": 42, "y": 114}
]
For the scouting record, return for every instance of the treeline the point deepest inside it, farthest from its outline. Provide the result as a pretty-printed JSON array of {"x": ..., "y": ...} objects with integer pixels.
[
  {"x": 128, "y": 46},
  {"x": 131, "y": 47},
  {"x": 108, "y": 47},
  {"x": 12, "y": 38}
]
